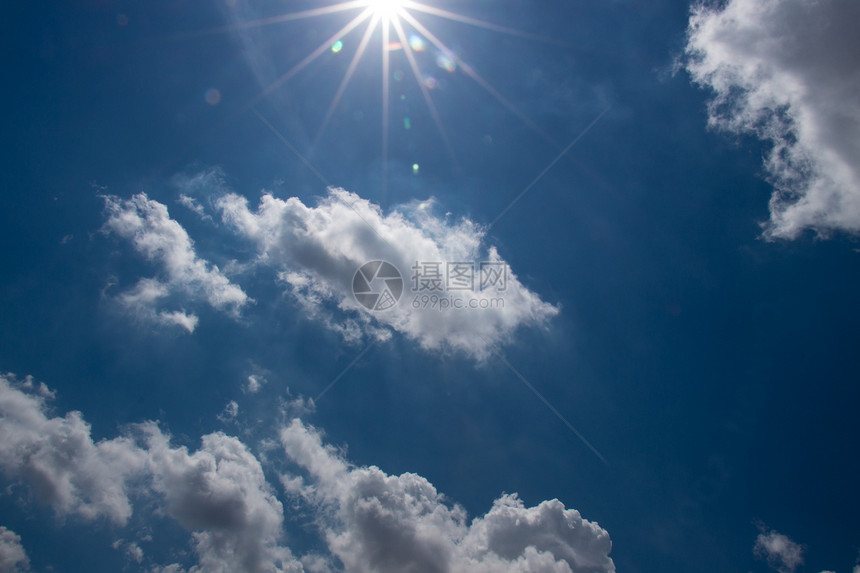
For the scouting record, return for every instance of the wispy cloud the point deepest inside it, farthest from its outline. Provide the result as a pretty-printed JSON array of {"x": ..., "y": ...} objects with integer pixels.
[
  {"x": 782, "y": 554},
  {"x": 160, "y": 239},
  {"x": 143, "y": 301},
  {"x": 787, "y": 72}
]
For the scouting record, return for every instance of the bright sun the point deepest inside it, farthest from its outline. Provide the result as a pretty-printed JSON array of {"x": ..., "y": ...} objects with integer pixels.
[
  {"x": 397, "y": 22},
  {"x": 385, "y": 8}
]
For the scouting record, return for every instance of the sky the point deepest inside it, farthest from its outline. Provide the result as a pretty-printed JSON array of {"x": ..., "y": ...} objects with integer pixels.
[{"x": 477, "y": 286}]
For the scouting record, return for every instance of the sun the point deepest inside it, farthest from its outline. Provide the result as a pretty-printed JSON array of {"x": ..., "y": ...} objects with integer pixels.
[
  {"x": 385, "y": 8},
  {"x": 398, "y": 23}
]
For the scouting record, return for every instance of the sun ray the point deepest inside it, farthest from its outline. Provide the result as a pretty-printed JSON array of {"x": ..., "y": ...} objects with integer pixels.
[
  {"x": 280, "y": 19},
  {"x": 290, "y": 146},
  {"x": 386, "y": 9},
  {"x": 356, "y": 58},
  {"x": 416, "y": 71},
  {"x": 469, "y": 71},
  {"x": 349, "y": 27},
  {"x": 385, "y": 102},
  {"x": 387, "y": 14},
  {"x": 448, "y": 15}
]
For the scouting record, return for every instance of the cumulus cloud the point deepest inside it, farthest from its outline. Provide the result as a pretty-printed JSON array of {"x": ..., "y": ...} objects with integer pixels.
[
  {"x": 456, "y": 293},
  {"x": 13, "y": 558},
  {"x": 146, "y": 223},
  {"x": 319, "y": 249},
  {"x": 220, "y": 493},
  {"x": 58, "y": 459},
  {"x": 368, "y": 520},
  {"x": 782, "y": 554},
  {"x": 401, "y": 523},
  {"x": 787, "y": 72}
]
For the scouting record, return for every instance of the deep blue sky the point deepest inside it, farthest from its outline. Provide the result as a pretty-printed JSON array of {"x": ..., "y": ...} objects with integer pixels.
[{"x": 714, "y": 370}]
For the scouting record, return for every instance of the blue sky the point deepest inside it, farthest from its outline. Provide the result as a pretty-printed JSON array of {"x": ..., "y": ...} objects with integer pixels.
[{"x": 666, "y": 380}]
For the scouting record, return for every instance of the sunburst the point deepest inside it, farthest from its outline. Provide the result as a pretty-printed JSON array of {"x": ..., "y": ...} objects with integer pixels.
[{"x": 390, "y": 20}]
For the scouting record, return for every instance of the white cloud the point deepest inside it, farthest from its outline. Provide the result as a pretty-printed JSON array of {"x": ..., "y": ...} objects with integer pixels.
[
  {"x": 369, "y": 521},
  {"x": 58, "y": 460},
  {"x": 146, "y": 223},
  {"x": 255, "y": 382},
  {"x": 319, "y": 249},
  {"x": 178, "y": 318},
  {"x": 401, "y": 523},
  {"x": 200, "y": 186},
  {"x": 231, "y": 410},
  {"x": 143, "y": 300},
  {"x": 787, "y": 72},
  {"x": 13, "y": 558},
  {"x": 782, "y": 554},
  {"x": 511, "y": 530},
  {"x": 131, "y": 550},
  {"x": 192, "y": 204},
  {"x": 315, "y": 252},
  {"x": 220, "y": 493}
]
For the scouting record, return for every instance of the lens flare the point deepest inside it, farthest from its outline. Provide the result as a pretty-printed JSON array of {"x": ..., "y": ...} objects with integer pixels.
[{"x": 403, "y": 39}]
